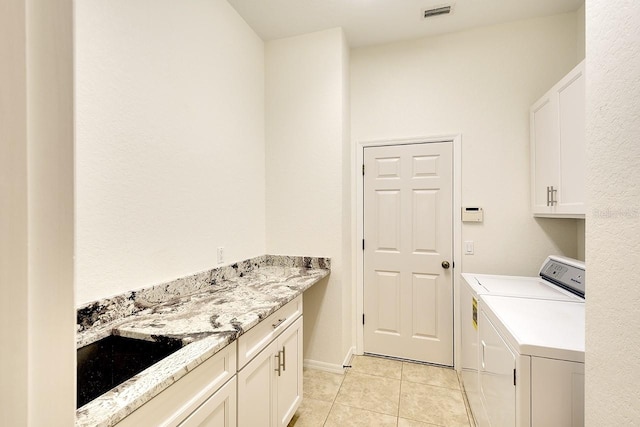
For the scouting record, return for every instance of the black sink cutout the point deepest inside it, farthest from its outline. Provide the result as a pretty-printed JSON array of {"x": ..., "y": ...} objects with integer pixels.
[{"x": 111, "y": 361}]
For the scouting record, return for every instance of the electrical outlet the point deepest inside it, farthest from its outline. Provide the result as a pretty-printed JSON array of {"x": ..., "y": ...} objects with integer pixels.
[{"x": 220, "y": 255}]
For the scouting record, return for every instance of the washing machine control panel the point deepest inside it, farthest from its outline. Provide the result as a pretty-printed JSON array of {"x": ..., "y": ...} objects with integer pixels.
[{"x": 565, "y": 272}]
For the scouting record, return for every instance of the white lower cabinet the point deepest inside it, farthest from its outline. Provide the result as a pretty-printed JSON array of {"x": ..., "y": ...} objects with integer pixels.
[
  {"x": 289, "y": 380},
  {"x": 217, "y": 411},
  {"x": 205, "y": 396},
  {"x": 270, "y": 385},
  {"x": 255, "y": 381}
]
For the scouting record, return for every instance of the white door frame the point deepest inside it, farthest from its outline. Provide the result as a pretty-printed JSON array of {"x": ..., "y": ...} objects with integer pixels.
[{"x": 456, "y": 139}]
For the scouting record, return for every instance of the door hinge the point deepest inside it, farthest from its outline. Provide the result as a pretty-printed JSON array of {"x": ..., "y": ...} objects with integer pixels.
[
  {"x": 363, "y": 170},
  {"x": 514, "y": 377},
  {"x": 363, "y": 318},
  {"x": 363, "y": 244}
]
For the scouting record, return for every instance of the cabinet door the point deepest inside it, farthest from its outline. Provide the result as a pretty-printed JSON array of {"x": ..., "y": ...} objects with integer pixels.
[
  {"x": 257, "y": 390},
  {"x": 545, "y": 156},
  {"x": 571, "y": 111},
  {"x": 557, "y": 393},
  {"x": 174, "y": 404},
  {"x": 217, "y": 411},
  {"x": 558, "y": 149},
  {"x": 289, "y": 378}
]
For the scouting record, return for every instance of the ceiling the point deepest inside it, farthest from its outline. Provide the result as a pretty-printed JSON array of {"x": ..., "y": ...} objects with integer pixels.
[{"x": 369, "y": 22}]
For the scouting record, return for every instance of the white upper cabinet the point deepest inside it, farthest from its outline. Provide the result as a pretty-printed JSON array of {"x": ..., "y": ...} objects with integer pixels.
[{"x": 558, "y": 149}]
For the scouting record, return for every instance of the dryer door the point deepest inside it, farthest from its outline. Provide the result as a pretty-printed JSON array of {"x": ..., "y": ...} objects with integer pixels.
[{"x": 497, "y": 364}]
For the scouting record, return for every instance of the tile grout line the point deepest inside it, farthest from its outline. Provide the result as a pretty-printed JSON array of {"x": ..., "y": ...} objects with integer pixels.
[
  {"x": 333, "y": 402},
  {"x": 400, "y": 394}
]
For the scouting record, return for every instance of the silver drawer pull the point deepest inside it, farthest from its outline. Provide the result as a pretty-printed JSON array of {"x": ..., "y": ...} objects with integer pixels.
[{"x": 278, "y": 323}]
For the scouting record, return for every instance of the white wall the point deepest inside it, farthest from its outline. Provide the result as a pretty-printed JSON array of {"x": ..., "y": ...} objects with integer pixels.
[
  {"x": 37, "y": 355},
  {"x": 306, "y": 89},
  {"x": 581, "y": 32},
  {"x": 613, "y": 218},
  {"x": 580, "y": 55},
  {"x": 14, "y": 256},
  {"x": 170, "y": 141},
  {"x": 480, "y": 83}
]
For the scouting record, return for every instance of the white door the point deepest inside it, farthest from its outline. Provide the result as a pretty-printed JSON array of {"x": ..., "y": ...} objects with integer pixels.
[{"x": 408, "y": 232}]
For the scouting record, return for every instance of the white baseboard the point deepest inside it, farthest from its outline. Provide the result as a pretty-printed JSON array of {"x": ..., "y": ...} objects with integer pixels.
[
  {"x": 330, "y": 367},
  {"x": 349, "y": 356}
]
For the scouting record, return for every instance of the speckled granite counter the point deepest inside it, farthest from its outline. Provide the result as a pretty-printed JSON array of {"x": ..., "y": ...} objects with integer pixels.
[{"x": 207, "y": 311}]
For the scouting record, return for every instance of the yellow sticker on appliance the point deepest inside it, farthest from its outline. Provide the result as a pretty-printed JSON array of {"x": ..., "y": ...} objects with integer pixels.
[{"x": 474, "y": 316}]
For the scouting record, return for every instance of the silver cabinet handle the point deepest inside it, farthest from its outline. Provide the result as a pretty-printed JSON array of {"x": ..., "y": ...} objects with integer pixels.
[
  {"x": 551, "y": 193},
  {"x": 277, "y": 356},
  {"x": 278, "y": 323},
  {"x": 284, "y": 359},
  {"x": 483, "y": 347}
]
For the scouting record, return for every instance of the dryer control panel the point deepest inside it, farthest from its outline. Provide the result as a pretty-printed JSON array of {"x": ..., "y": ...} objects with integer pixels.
[{"x": 566, "y": 272}]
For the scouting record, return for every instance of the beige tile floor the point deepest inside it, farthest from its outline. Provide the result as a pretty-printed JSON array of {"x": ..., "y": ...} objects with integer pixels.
[{"x": 382, "y": 392}]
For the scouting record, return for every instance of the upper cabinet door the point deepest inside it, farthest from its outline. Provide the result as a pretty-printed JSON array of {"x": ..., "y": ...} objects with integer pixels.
[
  {"x": 571, "y": 105},
  {"x": 545, "y": 153},
  {"x": 558, "y": 149}
]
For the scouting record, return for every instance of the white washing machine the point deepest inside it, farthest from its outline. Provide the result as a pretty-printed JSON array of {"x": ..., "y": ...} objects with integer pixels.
[{"x": 560, "y": 279}]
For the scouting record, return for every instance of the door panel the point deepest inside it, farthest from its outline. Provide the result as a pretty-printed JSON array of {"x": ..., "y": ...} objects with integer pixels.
[
  {"x": 388, "y": 291},
  {"x": 425, "y": 230},
  {"x": 408, "y": 231},
  {"x": 388, "y": 220},
  {"x": 425, "y": 294}
]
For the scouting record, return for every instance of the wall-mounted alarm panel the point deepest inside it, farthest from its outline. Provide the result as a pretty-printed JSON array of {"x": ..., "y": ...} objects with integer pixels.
[{"x": 472, "y": 215}]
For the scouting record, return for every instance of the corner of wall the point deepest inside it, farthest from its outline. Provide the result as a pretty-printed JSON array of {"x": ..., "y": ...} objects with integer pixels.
[
  {"x": 308, "y": 155},
  {"x": 581, "y": 33}
]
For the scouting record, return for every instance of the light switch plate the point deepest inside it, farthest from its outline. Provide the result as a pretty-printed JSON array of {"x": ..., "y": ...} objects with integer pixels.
[{"x": 468, "y": 247}]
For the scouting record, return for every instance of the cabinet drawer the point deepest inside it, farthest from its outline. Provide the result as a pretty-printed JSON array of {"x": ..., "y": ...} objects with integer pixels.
[
  {"x": 258, "y": 337},
  {"x": 175, "y": 403}
]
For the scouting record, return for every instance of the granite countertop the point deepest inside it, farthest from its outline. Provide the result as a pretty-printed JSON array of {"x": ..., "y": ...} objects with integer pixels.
[{"x": 206, "y": 320}]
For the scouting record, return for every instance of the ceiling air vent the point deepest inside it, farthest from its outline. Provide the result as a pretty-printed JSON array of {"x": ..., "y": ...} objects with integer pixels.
[{"x": 444, "y": 10}]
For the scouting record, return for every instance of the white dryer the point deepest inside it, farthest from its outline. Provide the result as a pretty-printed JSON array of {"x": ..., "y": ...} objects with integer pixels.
[
  {"x": 560, "y": 279},
  {"x": 531, "y": 359}
]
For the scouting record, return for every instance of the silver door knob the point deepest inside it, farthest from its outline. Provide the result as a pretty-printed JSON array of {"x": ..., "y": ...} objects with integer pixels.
[{"x": 445, "y": 264}]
